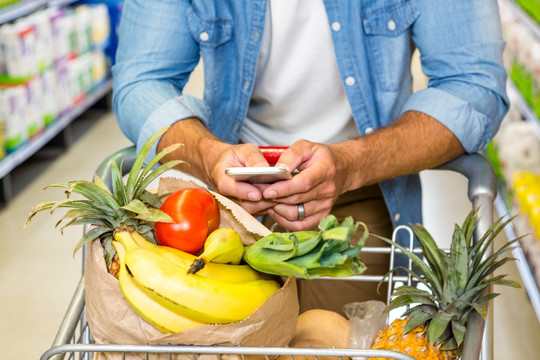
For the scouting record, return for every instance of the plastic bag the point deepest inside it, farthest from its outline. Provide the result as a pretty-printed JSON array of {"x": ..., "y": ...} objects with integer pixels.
[{"x": 366, "y": 319}]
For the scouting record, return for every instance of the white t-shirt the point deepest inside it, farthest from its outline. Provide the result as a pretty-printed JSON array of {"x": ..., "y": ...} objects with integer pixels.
[{"x": 298, "y": 93}]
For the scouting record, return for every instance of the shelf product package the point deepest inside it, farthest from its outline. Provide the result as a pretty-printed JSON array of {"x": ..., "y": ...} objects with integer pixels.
[
  {"x": 101, "y": 26},
  {"x": 64, "y": 100},
  {"x": 49, "y": 104},
  {"x": 12, "y": 116},
  {"x": 33, "y": 112},
  {"x": 18, "y": 41},
  {"x": 44, "y": 39}
]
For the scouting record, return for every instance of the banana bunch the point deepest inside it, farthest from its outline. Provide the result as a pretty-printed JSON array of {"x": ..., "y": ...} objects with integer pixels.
[
  {"x": 310, "y": 254},
  {"x": 155, "y": 281}
]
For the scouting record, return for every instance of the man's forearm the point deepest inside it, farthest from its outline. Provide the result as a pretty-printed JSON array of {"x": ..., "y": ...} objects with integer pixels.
[
  {"x": 413, "y": 143},
  {"x": 200, "y": 147}
]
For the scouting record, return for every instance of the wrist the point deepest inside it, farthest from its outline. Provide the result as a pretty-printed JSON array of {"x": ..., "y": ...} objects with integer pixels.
[
  {"x": 210, "y": 150},
  {"x": 350, "y": 164}
]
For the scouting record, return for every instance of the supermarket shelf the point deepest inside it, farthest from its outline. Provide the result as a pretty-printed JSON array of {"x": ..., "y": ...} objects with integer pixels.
[
  {"x": 524, "y": 270},
  {"x": 15, "y": 11},
  {"x": 24, "y": 152},
  {"x": 524, "y": 18},
  {"x": 60, "y": 3},
  {"x": 528, "y": 114}
]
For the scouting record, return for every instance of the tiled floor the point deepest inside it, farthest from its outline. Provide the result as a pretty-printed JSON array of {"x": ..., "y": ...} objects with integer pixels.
[{"x": 38, "y": 272}]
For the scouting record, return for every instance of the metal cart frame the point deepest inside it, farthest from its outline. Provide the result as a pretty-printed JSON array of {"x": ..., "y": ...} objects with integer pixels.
[{"x": 74, "y": 337}]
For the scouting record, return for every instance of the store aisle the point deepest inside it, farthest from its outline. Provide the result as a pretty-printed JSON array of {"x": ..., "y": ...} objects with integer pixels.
[{"x": 38, "y": 272}]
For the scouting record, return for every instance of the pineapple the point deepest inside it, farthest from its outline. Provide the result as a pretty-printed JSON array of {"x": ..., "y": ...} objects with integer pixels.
[
  {"x": 457, "y": 283},
  {"x": 128, "y": 204}
]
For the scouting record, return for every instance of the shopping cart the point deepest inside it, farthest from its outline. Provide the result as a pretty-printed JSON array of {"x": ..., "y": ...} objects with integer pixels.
[{"x": 74, "y": 339}]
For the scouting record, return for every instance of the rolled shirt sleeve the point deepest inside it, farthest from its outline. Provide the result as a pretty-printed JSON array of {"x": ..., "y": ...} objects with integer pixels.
[
  {"x": 178, "y": 108},
  {"x": 461, "y": 49},
  {"x": 151, "y": 69},
  {"x": 473, "y": 128}
]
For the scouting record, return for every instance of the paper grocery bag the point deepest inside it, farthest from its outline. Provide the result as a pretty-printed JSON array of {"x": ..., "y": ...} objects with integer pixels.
[{"x": 112, "y": 320}]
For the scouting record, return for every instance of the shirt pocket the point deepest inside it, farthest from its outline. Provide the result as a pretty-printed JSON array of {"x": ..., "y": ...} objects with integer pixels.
[
  {"x": 209, "y": 32},
  {"x": 387, "y": 29}
]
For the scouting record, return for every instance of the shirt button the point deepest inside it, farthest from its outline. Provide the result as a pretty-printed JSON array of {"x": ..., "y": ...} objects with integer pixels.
[
  {"x": 396, "y": 217},
  {"x": 350, "y": 81},
  {"x": 391, "y": 25},
  {"x": 246, "y": 85},
  {"x": 369, "y": 130},
  {"x": 204, "y": 36},
  {"x": 336, "y": 26}
]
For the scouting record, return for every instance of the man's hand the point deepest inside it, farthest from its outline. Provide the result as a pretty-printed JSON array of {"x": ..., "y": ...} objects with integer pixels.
[
  {"x": 247, "y": 195},
  {"x": 316, "y": 186}
]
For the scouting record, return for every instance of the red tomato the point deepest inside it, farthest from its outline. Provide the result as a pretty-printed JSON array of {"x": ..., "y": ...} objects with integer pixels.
[{"x": 195, "y": 213}]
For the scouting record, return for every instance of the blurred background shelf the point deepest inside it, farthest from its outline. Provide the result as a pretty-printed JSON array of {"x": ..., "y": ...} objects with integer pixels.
[
  {"x": 16, "y": 158},
  {"x": 528, "y": 280},
  {"x": 524, "y": 17},
  {"x": 518, "y": 25},
  {"x": 87, "y": 83},
  {"x": 12, "y": 12}
]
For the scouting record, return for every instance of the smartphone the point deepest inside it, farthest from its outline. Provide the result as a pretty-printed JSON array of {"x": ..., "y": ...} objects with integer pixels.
[{"x": 259, "y": 175}]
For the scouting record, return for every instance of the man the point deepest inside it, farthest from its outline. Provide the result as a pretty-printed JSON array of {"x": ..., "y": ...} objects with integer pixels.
[{"x": 329, "y": 79}]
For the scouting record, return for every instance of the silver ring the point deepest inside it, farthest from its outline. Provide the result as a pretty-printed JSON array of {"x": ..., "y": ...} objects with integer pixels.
[{"x": 301, "y": 211}]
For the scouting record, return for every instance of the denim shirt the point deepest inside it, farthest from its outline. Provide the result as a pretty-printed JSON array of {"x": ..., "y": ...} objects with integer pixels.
[{"x": 460, "y": 44}]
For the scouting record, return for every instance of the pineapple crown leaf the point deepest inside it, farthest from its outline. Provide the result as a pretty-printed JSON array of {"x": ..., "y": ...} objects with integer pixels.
[
  {"x": 95, "y": 221},
  {"x": 155, "y": 215},
  {"x": 495, "y": 280},
  {"x": 151, "y": 199},
  {"x": 481, "y": 247},
  {"x": 413, "y": 275},
  {"x": 80, "y": 204},
  {"x": 38, "y": 208},
  {"x": 437, "y": 326},
  {"x": 490, "y": 264},
  {"x": 98, "y": 181},
  {"x": 141, "y": 187},
  {"x": 459, "y": 260},
  {"x": 449, "y": 345},
  {"x": 90, "y": 191},
  {"x": 70, "y": 217},
  {"x": 430, "y": 309},
  {"x": 136, "y": 206},
  {"x": 156, "y": 159},
  {"x": 458, "y": 331},
  {"x": 416, "y": 319},
  {"x": 407, "y": 289},
  {"x": 83, "y": 204},
  {"x": 487, "y": 298},
  {"x": 468, "y": 226},
  {"x": 421, "y": 267},
  {"x": 108, "y": 249},
  {"x": 117, "y": 182},
  {"x": 408, "y": 299},
  {"x": 429, "y": 248},
  {"x": 480, "y": 309},
  {"x": 91, "y": 235},
  {"x": 139, "y": 162}
]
